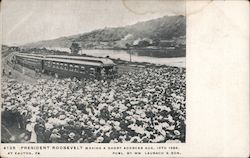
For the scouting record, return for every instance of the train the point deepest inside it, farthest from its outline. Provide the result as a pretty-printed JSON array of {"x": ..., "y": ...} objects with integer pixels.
[{"x": 68, "y": 66}]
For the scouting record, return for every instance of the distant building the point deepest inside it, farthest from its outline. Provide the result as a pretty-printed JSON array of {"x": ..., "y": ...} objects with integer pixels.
[
  {"x": 75, "y": 48},
  {"x": 14, "y": 48},
  {"x": 167, "y": 43},
  {"x": 142, "y": 42}
]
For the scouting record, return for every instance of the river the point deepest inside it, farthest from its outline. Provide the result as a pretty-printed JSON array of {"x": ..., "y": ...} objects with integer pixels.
[{"x": 142, "y": 56}]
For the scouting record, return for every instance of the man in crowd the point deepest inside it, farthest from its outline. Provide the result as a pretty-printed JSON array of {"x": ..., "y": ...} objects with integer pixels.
[{"x": 147, "y": 105}]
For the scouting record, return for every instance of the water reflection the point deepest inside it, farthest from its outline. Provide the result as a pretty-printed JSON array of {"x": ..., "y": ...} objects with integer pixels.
[
  {"x": 138, "y": 56},
  {"x": 158, "y": 53}
]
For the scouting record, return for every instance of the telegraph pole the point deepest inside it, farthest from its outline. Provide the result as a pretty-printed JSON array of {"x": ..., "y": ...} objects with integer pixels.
[
  {"x": 129, "y": 51},
  {"x": 129, "y": 55}
]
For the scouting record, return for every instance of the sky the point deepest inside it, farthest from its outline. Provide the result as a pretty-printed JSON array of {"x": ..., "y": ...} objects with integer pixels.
[{"x": 25, "y": 21}]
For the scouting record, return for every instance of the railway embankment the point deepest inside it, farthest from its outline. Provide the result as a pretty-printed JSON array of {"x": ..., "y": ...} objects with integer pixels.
[{"x": 25, "y": 74}]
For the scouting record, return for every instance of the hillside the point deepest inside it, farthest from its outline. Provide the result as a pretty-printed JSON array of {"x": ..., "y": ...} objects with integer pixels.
[{"x": 152, "y": 32}]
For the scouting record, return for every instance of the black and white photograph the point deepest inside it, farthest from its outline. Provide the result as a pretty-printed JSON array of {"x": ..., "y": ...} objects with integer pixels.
[{"x": 102, "y": 71}]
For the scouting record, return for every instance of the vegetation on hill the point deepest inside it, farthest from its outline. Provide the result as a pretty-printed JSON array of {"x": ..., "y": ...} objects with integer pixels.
[{"x": 167, "y": 31}]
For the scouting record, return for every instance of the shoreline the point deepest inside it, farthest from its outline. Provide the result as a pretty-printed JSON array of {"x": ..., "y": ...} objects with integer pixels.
[{"x": 137, "y": 60}]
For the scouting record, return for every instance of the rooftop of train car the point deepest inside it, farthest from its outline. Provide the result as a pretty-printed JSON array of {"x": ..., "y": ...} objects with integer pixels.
[
  {"x": 74, "y": 61},
  {"x": 105, "y": 61},
  {"x": 28, "y": 56},
  {"x": 62, "y": 60}
]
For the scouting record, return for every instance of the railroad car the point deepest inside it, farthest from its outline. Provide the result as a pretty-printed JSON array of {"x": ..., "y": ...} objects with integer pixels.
[
  {"x": 69, "y": 66},
  {"x": 107, "y": 64},
  {"x": 29, "y": 61}
]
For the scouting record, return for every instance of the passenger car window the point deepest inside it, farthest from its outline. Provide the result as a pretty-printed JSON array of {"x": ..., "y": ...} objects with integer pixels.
[
  {"x": 76, "y": 68},
  {"x": 92, "y": 71},
  {"x": 82, "y": 69},
  {"x": 66, "y": 66},
  {"x": 61, "y": 66},
  {"x": 71, "y": 68}
]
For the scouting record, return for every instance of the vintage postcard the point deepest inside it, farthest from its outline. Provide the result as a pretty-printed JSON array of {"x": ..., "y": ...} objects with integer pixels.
[{"x": 102, "y": 78}]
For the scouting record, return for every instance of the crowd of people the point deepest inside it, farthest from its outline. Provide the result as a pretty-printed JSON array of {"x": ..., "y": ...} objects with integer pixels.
[{"x": 147, "y": 105}]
